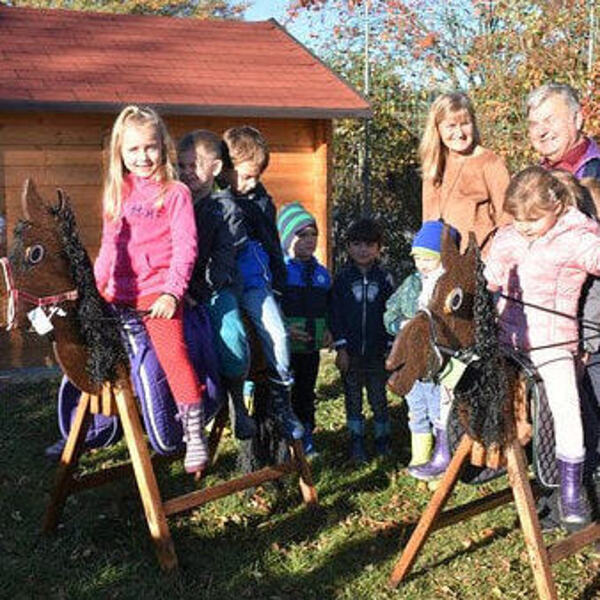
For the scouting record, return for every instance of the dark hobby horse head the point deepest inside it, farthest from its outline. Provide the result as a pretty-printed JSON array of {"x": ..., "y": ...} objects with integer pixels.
[{"x": 49, "y": 269}]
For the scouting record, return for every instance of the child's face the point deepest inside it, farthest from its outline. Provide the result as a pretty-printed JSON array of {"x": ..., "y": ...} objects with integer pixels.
[
  {"x": 304, "y": 244},
  {"x": 245, "y": 176},
  {"x": 456, "y": 132},
  {"x": 532, "y": 228},
  {"x": 427, "y": 264},
  {"x": 198, "y": 170},
  {"x": 362, "y": 253},
  {"x": 141, "y": 149}
]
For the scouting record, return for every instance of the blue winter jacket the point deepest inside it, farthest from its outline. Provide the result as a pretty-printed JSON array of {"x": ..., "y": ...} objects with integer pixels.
[
  {"x": 306, "y": 299},
  {"x": 357, "y": 307}
]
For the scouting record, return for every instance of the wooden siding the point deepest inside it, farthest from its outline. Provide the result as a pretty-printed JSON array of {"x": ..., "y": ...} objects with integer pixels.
[{"x": 66, "y": 150}]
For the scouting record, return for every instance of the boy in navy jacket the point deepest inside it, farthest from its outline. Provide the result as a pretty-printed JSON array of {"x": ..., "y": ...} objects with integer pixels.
[
  {"x": 360, "y": 291},
  {"x": 305, "y": 305},
  {"x": 216, "y": 282}
]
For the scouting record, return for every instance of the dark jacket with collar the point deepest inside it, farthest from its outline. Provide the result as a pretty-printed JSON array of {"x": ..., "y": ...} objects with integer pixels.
[
  {"x": 260, "y": 222},
  {"x": 357, "y": 307},
  {"x": 221, "y": 236}
]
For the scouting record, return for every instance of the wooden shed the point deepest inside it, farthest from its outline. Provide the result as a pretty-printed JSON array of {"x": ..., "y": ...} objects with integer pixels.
[{"x": 64, "y": 75}]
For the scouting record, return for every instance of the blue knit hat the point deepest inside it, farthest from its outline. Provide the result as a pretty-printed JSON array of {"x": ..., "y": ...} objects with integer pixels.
[
  {"x": 292, "y": 218},
  {"x": 428, "y": 240}
]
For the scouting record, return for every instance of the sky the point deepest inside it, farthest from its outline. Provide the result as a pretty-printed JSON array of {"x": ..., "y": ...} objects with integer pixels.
[
  {"x": 265, "y": 9},
  {"x": 261, "y": 10}
]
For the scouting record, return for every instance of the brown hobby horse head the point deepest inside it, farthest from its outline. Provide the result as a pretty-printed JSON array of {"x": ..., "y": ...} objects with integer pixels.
[
  {"x": 459, "y": 322},
  {"x": 49, "y": 270},
  {"x": 449, "y": 323}
]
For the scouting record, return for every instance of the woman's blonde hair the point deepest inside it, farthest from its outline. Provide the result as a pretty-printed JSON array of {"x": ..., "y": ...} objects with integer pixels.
[
  {"x": 535, "y": 191},
  {"x": 432, "y": 151},
  {"x": 139, "y": 116}
]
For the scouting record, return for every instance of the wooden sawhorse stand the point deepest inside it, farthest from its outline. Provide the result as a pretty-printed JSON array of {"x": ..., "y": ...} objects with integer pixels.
[
  {"x": 540, "y": 556},
  {"x": 118, "y": 399}
]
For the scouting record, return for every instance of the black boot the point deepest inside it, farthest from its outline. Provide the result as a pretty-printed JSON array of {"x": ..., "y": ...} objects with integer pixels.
[
  {"x": 244, "y": 427},
  {"x": 281, "y": 407}
]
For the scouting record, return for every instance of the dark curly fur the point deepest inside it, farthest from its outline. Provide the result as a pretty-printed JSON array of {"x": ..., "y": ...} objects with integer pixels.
[
  {"x": 99, "y": 328},
  {"x": 482, "y": 397}
]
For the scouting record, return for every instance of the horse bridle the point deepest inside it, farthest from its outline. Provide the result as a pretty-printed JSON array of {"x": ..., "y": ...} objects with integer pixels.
[
  {"x": 435, "y": 359},
  {"x": 15, "y": 294}
]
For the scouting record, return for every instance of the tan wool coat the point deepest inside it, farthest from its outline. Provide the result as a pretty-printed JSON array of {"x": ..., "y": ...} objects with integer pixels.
[{"x": 471, "y": 195}]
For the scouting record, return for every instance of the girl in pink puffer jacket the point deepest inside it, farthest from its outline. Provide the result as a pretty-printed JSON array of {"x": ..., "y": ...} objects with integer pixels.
[{"x": 542, "y": 260}]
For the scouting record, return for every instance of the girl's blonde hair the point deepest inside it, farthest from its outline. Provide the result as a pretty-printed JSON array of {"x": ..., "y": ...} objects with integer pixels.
[
  {"x": 534, "y": 191},
  {"x": 139, "y": 116},
  {"x": 432, "y": 151}
]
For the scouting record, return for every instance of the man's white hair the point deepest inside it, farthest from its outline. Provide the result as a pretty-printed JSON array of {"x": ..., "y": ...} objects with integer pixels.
[{"x": 549, "y": 90}]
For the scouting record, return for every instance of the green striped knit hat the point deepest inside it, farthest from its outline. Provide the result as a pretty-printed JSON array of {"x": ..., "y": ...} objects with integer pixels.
[{"x": 292, "y": 218}]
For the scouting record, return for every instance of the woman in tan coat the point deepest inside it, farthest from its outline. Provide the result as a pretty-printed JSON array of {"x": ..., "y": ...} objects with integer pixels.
[{"x": 463, "y": 183}]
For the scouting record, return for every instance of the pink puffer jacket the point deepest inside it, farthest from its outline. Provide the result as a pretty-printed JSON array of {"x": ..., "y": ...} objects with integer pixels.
[{"x": 548, "y": 272}]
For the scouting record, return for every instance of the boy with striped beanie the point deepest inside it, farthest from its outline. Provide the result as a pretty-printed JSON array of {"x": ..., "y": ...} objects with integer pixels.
[{"x": 305, "y": 305}]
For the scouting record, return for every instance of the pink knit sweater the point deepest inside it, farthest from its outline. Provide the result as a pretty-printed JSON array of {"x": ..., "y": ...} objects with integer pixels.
[
  {"x": 548, "y": 272},
  {"x": 148, "y": 250}
]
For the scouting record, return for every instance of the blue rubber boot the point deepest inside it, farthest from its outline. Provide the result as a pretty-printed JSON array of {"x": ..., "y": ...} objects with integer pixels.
[
  {"x": 356, "y": 427},
  {"x": 382, "y": 438}
]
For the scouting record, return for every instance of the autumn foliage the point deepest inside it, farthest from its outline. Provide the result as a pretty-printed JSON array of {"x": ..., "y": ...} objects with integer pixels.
[{"x": 495, "y": 50}]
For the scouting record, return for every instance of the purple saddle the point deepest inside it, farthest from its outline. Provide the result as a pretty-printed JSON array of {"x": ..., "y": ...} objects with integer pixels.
[{"x": 150, "y": 384}]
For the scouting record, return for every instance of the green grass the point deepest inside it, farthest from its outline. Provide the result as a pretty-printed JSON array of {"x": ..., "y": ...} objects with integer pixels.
[{"x": 269, "y": 546}]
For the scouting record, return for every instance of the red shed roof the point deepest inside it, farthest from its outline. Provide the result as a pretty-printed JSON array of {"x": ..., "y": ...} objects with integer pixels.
[{"x": 69, "y": 60}]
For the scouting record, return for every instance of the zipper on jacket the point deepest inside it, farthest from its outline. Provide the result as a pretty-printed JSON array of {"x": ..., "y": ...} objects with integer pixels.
[
  {"x": 265, "y": 272},
  {"x": 364, "y": 315}
]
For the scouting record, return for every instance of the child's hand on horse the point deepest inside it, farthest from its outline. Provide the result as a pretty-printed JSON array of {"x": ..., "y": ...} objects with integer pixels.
[{"x": 164, "y": 307}]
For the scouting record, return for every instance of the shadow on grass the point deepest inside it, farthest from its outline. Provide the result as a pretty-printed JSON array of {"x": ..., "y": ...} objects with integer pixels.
[{"x": 592, "y": 589}]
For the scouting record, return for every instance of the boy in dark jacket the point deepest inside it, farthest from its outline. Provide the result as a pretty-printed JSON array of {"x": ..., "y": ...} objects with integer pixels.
[
  {"x": 215, "y": 281},
  {"x": 360, "y": 291},
  {"x": 305, "y": 306},
  {"x": 262, "y": 268}
]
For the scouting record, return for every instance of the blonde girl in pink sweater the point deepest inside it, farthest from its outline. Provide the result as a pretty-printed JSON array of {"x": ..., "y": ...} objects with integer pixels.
[
  {"x": 539, "y": 264},
  {"x": 148, "y": 252}
]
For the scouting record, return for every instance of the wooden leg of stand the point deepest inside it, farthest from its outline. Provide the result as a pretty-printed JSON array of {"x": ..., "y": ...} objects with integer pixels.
[
  {"x": 307, "y": 488},
  {"x": 145, "y": 477},
  {"x": 538, "y": 556},
  {"x": 426, "y": 523},
  {"x": 68, "y": 463}
]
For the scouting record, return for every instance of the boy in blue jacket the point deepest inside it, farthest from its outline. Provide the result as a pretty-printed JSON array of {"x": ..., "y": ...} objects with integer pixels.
[
  {"x": 305, "y": 305},
  {"x": 261, "y": 267},
  {"x": 360, "y": 291}
]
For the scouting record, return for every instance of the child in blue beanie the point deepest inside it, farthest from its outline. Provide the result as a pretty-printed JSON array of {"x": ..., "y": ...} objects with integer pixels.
[{"x": 414, "y": 294}]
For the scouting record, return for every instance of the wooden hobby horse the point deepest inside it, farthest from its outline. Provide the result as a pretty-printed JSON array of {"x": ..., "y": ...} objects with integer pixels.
[
  {"x": 489, "y": 409},
  {"x": 49, "y": 271}
]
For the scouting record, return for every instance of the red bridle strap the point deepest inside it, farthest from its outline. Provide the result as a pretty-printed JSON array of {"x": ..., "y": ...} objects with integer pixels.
[{"x": 15, "y": 294}]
